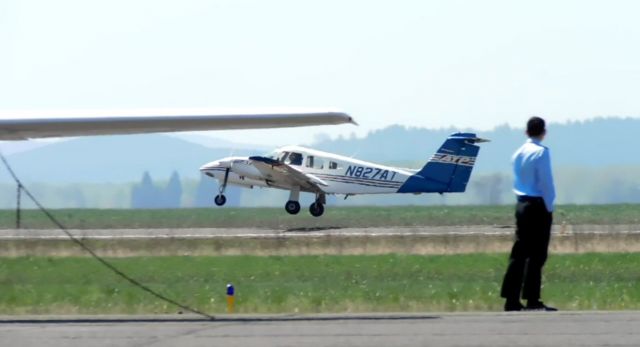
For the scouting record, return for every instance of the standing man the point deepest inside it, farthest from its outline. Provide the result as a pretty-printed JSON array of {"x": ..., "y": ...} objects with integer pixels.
[{"x": 536, "y": 194}]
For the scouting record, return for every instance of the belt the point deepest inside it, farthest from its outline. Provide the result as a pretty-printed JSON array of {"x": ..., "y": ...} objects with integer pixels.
[{"x": 526, "y": 198}]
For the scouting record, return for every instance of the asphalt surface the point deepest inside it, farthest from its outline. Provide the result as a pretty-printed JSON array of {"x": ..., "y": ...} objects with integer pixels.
[{"x": 472, "y": 329}]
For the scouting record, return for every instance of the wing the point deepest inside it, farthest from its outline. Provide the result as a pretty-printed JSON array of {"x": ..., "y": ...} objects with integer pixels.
[
  {"x": 280, "y": 174},
  {"x": 20, "y": 128}
]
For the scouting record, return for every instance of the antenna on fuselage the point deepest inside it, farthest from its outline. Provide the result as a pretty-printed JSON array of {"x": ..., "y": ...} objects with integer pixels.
[
  {"x": 356, "y": 151},
  {"x": 232, "y": 151}
]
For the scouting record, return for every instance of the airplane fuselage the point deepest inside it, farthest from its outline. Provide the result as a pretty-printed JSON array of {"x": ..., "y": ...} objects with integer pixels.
[{"x": 342, "y": 175}]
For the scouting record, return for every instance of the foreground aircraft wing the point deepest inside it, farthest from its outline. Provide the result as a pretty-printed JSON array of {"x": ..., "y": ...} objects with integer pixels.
[
  {"x": 282, "y": 174},
  {"x": 25, "y": 127}
]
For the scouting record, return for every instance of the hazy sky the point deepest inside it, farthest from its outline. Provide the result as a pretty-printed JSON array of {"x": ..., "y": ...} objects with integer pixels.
[{"x": 418, "y": 63}]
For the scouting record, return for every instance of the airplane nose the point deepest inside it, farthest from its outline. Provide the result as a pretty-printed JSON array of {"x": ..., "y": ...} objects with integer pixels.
[
  {"x": 211, "y": 165},
  {"x": 222, "y": 163}
]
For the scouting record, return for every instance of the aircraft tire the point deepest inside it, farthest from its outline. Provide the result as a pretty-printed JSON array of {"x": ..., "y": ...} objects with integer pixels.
[
  {"x": 293, "y": 207},
  {"x": 220, "y": 199},
  {"x": 316, "y": 209}
]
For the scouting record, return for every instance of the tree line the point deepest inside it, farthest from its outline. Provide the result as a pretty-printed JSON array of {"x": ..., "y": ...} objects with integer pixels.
[{"x": 147, "y": 194}]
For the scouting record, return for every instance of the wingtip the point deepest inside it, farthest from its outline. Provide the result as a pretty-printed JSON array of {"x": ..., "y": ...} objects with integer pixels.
[{"x": 353, "y": 121}]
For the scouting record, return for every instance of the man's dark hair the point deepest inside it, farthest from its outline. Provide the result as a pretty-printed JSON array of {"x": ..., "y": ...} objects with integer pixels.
[{"x": 535, "y": 126}]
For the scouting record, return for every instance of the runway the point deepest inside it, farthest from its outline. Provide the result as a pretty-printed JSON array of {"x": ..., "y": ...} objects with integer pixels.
[
  {"x": 450, "y": 329},
  {"x": 327, "y": 240}
]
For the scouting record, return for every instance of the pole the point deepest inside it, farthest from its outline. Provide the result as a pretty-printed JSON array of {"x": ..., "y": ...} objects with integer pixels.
[{"x": 18, "y": 198}]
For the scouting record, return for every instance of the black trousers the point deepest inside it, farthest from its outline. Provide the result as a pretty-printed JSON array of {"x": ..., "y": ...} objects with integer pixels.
[{"x": 529, "y": 252}]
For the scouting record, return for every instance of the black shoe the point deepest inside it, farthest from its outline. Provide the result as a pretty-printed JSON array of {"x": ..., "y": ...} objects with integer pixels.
[
  {"x": 539, "y": 306},
  {"x": 513, "y": 306}
]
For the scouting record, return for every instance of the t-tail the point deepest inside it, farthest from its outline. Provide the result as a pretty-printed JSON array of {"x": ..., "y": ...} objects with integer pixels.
[{"x": 449, "y": 170}]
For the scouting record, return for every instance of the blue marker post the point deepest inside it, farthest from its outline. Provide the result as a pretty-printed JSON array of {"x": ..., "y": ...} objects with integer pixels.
[{"x": 230, "y": 298}]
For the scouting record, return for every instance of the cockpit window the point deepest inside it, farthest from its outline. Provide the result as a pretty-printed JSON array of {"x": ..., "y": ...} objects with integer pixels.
[{"x": 293, "y": 159}]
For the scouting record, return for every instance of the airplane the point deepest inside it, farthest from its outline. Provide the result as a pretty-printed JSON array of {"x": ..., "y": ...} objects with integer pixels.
[
  {"x": 299, "y": 169},
  {"x": 24, "y": 125}
]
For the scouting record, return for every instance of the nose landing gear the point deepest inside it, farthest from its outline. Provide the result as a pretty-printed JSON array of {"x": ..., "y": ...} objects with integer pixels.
[{"x": 220, "y": 199}]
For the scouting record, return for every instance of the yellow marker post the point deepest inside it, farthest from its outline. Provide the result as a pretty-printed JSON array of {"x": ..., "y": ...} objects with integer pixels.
[{"x": 230, "y": 298}]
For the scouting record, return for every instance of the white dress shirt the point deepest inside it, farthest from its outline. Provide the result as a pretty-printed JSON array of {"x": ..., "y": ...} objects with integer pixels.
[{"x": 532, "y": 172}]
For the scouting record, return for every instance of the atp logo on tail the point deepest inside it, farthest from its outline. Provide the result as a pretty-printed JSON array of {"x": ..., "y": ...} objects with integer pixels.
[{"x": 453, "y": 159}]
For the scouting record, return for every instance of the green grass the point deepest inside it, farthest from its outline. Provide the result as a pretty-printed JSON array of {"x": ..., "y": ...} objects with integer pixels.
[
  {"x": 309, "y": 283},
  {"x": 334, "y": 217}
]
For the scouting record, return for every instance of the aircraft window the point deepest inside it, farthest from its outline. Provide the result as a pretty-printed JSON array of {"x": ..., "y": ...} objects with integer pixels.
[
  {"x": 294, "y": 159},
  {"x": 314, "y": 162},
  {"x": 333, "y": 165}
]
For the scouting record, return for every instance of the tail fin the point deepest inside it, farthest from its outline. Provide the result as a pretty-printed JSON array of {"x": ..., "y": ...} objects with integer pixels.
[{"x": 449, "y": 170}]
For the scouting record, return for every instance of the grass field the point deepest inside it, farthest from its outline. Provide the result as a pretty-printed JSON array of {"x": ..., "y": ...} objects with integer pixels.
[
  {"x": 309, "y": 283},
  {"x": 334, "y": 217}
]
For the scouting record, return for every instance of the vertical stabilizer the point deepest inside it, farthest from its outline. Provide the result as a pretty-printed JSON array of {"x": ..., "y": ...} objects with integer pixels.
[{"x": 449, "y": 170}]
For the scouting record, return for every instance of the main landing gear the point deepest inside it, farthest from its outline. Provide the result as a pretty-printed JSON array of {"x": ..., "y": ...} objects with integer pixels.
[
  {"x": 220, "y": 199},
  {"x": 293, "y": 206},
  {"x": 317, "y": 208}
]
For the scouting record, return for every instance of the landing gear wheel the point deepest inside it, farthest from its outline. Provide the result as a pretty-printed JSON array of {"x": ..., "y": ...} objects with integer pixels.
[
  {"x": 293, "y": 207},
  {"x": 316, "y": 209},
  {"x": 220, "y": 199}
]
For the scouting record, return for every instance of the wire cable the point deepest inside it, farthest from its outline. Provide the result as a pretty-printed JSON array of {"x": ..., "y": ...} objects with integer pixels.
[{"x": 82, "y": 245}]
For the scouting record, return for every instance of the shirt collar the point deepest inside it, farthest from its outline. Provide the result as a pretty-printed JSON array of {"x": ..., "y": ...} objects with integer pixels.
[{"x": 532, "y": 140}]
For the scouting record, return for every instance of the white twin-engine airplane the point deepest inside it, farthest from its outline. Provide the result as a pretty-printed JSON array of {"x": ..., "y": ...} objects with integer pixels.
[{"x": 298, "y": 169}]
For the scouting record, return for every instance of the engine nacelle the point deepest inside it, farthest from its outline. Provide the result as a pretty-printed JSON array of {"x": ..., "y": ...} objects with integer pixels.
[{"x": 243, "y": 168}]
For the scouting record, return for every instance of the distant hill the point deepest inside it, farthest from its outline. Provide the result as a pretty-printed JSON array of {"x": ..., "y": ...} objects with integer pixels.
[
  {"x": 214, "y": 142},
  {"x": 105, "y": 159},
  {"x": 14, "y": 147},
  {"x": 597, "y": 143}
]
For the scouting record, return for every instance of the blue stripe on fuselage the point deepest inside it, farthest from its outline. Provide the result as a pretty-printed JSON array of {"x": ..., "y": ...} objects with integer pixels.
[
  {"x": 361, "y": 181},
  {"x": 344, "y": 179}
]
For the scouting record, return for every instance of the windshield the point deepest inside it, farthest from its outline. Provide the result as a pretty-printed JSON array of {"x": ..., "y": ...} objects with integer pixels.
[
  {"x": 280, "y": 156},
  {"x": 293, "y": 159},
  {"x": 290, "y": 158}
]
